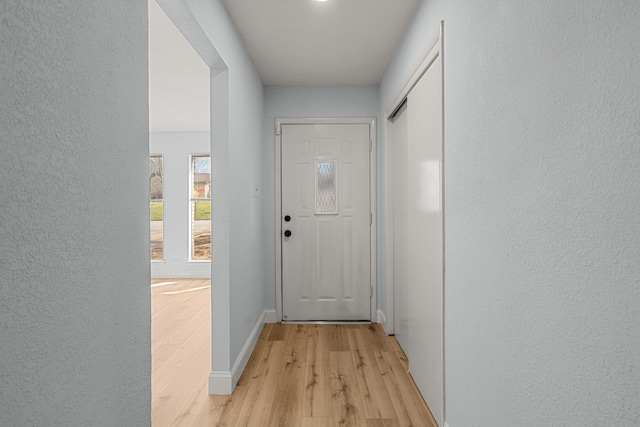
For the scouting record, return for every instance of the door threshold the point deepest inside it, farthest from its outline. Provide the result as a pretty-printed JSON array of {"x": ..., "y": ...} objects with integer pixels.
[{"x": 326, "y": 322}]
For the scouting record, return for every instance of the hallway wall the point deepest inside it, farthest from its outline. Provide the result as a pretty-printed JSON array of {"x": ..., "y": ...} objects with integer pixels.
[
  {"x": 542, "y": 231},
  {"x": 239, "y": 288},
  {"x": 74, "y": 241}
]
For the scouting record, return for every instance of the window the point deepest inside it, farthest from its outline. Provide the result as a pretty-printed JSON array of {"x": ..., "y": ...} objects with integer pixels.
[
  {"x": 326, "y": 187},
  {"x": 200, "y": 207},
  {"x": 156, "y": 207}
]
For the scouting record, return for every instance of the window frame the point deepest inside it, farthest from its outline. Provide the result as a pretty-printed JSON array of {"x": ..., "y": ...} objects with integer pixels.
[
  {"x": 191, "y": 201},
  {"x": 161, "y": 156}
]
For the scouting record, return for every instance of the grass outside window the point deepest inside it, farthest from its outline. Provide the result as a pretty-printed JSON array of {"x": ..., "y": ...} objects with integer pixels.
[
  {"x": 156, "y": 211},
  {"x": 202, "y": 210}
]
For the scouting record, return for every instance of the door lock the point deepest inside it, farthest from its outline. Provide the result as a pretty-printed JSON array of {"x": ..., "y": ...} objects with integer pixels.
[
  {"x": 287, "y": 218},
  {"x": 287, "y": 233}
]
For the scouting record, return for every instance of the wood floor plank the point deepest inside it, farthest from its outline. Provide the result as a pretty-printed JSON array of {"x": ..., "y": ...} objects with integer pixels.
[
  {"x": 317, "y": 422},
  {"x": 348, "y": 408},
  {"x": 375, "y": 397},
  {"x": 317, "y": 393},
  {"x": 258, "y": 407},
  {"x": 257, "y": 361},
  {"x": 395, "y": 347},
  {"x": 260, "y": 381},
  {"x": 211, "y": 409},
  {"x": 180, "y": 357},
  {"x": 382, "y": 423},
  {"x": 297, "y": 375},
  {"x": 339, "y": 339},
  {"x": 403, "y": 419},
  {"x": 278, "y": 334},
  {"x": 176, "y": 400},
  {"x": 410, "y": 406},
  {"x": 287, "y": 405},
  {"x": 231, "y": 414}
]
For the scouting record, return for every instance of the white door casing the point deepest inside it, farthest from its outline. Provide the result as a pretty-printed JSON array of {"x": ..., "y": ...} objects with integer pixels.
[
  {"x": 400, "y": 228},
  {"x": 325, "y": 231}
]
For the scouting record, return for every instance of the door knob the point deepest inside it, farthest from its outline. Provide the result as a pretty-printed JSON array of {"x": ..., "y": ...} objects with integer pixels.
[
  {"x": 287, "y": 218},
  {"x": 287, "y": 233}
]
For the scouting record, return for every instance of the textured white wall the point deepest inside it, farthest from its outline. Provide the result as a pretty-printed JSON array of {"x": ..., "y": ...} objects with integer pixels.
[
  {"x": 176, "y": 149},
  {"x": 239, "y": 293},
  {"x": 300, "y": 101},
  {"x": 74, "y": 257},
  {"x": 542, "y": 202}
]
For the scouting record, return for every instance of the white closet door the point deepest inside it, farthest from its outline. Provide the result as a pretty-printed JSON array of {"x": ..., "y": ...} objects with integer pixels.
[
  {"x": 426, "y": 237},
  {"x": 418, "y": 236}
]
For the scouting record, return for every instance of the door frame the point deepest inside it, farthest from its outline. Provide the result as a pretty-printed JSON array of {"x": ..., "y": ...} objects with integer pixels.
[{"x": 371, "y": 121}]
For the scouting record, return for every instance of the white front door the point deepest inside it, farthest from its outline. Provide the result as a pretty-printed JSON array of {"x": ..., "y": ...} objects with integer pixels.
[{"x": 326, "y": 274}]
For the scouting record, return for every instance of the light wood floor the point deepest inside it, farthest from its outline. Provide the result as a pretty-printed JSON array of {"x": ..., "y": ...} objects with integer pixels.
[{"x": 297, "y": 376}]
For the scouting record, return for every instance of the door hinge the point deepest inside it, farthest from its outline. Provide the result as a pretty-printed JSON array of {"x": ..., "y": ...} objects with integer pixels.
[
  {"x": 370, "y": 145},
  {"x": 370, "y": 218},
  {"x": 278, "y": 128},
  {"x": 371, "y": 293}
]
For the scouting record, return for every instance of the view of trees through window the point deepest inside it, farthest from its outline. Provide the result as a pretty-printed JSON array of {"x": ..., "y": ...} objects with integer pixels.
[
  {"x": 200, "y": 207},
  {"x": 156, "y": 207}
]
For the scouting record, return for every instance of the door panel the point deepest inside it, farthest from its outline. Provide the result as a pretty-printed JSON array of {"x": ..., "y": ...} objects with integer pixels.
[
  {"x": 418, "y": 236},
  {"x": 325, "y": 191},
  {"x": 425, "y": 241}
]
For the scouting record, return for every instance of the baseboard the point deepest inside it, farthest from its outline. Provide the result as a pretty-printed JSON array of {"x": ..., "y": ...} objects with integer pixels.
[
  {"x": 194, "y": 270},
  {"x": 382, "y": 319},
  {"x": 221, "y": 382},
  {"x": 445, "y": 424},
  {"x": 270, "y": 316}
]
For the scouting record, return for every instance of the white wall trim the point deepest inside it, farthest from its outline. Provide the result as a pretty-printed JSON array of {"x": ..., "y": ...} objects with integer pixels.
[
  {"x": 382, "y": 319},
  {"x": 270, "y": 316},
  {"x": 445, "y": 424},
  {"x": 430, "y": 52},
  {"x": 162, "y": 270},
  {"x": 221, "y": 382}
]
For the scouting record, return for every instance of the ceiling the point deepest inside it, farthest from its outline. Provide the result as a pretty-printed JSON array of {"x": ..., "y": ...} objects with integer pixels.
[
  {"x": 312, "y": 43},
  {"x": 291, "y": 43}
]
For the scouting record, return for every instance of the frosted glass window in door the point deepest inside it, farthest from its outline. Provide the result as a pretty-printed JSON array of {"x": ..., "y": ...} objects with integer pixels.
[{"x": 326, "y": 187}]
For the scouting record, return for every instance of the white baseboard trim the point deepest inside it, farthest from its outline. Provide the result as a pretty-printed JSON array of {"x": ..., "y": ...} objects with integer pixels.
[
  {"x": 445, "y": 424},
  {"x": 270, "y": 316},
  {"x": 221, "y": 382},
  {"x": 382, "y": 319},
  {"x": 194, "y": 270}
]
